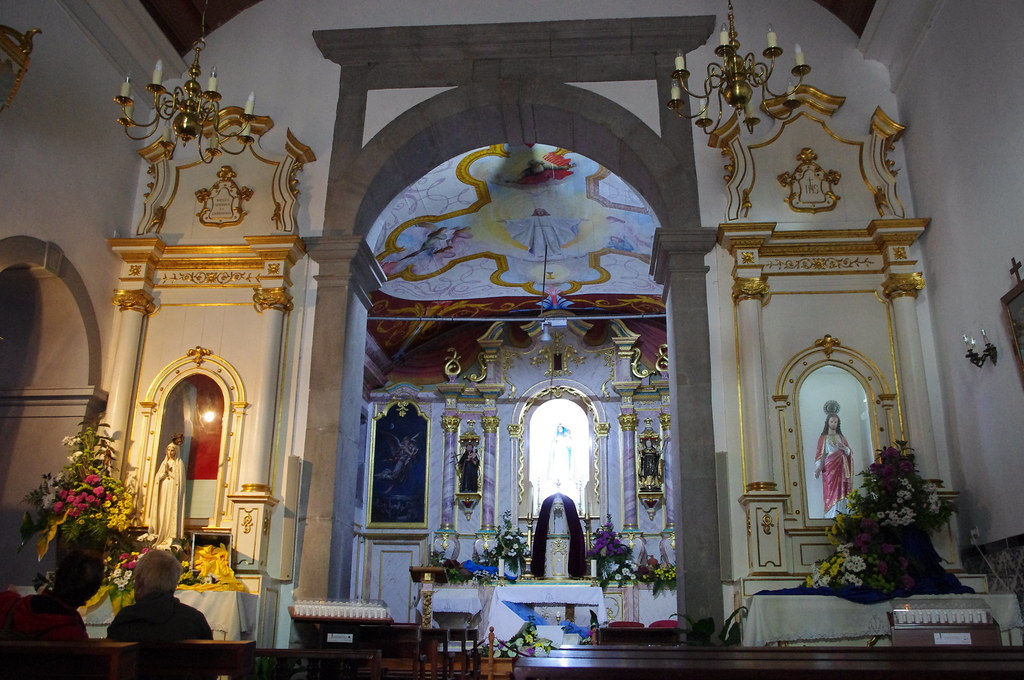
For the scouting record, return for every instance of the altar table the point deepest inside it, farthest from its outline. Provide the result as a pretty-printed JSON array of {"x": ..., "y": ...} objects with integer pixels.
[
  {"x": 232, "y": 615},
  {"x": 809, "y": 619}
]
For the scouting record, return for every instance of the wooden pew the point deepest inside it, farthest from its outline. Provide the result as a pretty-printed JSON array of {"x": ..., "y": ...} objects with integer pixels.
[
  {"x": 198, "y": 659},
  {"x": 80, "y": 660},
  {"x": 639, "y": 636},
  {"x": 324, "y": 664},
  {"x": 764, "y": 663}
]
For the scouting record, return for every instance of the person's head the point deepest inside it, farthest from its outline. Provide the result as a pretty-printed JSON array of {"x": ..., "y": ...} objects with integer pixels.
[
  {"x": 157, "y": 571},
  {"x": 78, "y": 577},
  {"x": 832, "y": 424}
]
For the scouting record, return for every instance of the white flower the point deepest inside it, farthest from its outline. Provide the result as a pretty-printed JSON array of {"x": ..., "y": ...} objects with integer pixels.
[{"x": 855, "y": 563}]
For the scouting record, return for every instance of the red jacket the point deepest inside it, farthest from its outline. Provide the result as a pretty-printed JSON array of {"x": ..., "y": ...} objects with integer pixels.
[{"x": 39, "y": 617}]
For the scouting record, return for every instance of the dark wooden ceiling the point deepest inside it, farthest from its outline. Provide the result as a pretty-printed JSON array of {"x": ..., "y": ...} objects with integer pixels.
[{"x": 182, "y": 20}]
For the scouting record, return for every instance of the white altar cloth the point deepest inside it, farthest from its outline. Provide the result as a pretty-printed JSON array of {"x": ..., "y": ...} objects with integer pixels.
[
  {"x": 507, "y": 623},
  {"x": 819, "y": 618},
  {"x": 232, "y": 615}
]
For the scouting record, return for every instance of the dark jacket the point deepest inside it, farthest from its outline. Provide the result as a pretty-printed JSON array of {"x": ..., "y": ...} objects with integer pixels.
[
  {"x": 159, "y": 617},
  {"x": 38, "y": 617}
]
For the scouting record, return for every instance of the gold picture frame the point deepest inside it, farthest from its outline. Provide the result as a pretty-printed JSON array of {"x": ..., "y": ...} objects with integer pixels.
[
  {"x": 15, "y": 49},
  {"x": 1013, "y": 305}
]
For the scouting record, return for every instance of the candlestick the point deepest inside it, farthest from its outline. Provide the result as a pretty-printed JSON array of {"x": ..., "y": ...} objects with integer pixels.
[
  {"x": 593, "y": 569},
  {"x": 126, "y": 86},
  {"x": 680, "y": 61},
  {"x": 773, "y": 40}
]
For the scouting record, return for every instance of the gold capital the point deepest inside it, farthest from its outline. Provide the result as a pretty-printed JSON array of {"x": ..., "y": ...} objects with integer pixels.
[
  {"x": 666, "y": 420},
  {"x": 750, "y": 288},
  {"x": 602, "y": 429},
  {"x": 271, "y": 298},
  {"x": 139, "y": 300},
  {"x": 450, "y": 423},
  {"x": 898, "y": 285},
  {"x": 515, "y": 430},
  {"x": 627, "y": 421},
  {"x": 490, "y": 423}
]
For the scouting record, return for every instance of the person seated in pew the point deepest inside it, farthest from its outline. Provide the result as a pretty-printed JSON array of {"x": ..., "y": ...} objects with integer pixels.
[
  {"x": 158, "y": 616},
  {"x": 53, "y": 613}
]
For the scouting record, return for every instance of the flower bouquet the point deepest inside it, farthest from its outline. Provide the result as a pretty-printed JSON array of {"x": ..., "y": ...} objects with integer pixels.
[
  {"x": 118, "y": 580},
  {"x": 614, "y": 558},
  {"x": 509, "y": 545},
  {"x": 882, "y": 542},
  {"x": 663, "y": 576},
  {"x": 526, "y": 642},
  {"x": 82, "y": 502},
  {"x": 210, "y": 570}
]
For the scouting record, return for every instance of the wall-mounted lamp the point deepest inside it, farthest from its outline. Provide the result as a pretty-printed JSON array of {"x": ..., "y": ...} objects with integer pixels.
[
  {"x": 990, "y": 351},
  {"x": 545, "y": 331}
]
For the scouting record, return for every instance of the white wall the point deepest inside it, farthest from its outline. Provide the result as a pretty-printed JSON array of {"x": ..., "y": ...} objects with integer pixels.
[{"x": 963, "y": 148}]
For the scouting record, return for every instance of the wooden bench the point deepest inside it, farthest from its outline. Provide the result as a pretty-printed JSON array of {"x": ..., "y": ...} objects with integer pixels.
[
  {"x": 198, "y": 659},
  {"x": 322, "y": 664},
  {"x": 80, "y": 659},
  {"x": 639, "y": 636},
  {"x": 764, "y": 663}
]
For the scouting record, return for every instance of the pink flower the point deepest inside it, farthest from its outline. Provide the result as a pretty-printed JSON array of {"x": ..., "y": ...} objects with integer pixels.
[
  {"x": 58, "y": 506},
  {"x": 888, "y": 548},
  {"x": 90, "y": 499},
  {"x": 906, "y": 466},
  {"x": 92, "y": 479},
  {"x": 74, "y": 512},
  {"x": 882, "y": 567},
  {"x": 130, "y": 565},
  {"x": 124, "y": 556},
  {"x": 908, "y": 581},
  {"x": 98, "y": 491}
]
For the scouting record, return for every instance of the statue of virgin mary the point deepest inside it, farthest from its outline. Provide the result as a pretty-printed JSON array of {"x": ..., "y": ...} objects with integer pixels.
[{"x": 166, "y": 513}]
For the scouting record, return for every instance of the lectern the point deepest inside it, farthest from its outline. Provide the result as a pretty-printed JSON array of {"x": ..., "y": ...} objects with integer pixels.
[{"x": 427, "y": 577}]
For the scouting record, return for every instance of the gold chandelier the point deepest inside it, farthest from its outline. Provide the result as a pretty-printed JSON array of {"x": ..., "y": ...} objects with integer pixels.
[
  {"x": 190, "y": 112},
  {"x": 735, "y": 80}
]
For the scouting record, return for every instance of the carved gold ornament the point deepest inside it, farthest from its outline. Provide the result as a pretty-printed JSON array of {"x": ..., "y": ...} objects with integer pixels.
[
  {"x": 767, "y": 524},
  {"x": 198, "y": 354},
  {"x": 828, "y": 343},
  {"x": 450, "y": 423},
  {"x": 490, "y": 423},
  {"x": 222, "y": 202},
  {"x": 452, "y": 367},
  {"x": 636, "y": 365},
  {"x": 898, "y": 285},
  {"x": 750, "y": 288},
  {"x": 135, "y": 270},
  {"x": 15, "y": 48},
  {"x": 899, "y": 252},
  {"x": 139, "y": 300},
  {"x": 271, "y": 298},
  {"x": 628, "y": 421},
  {"x": 810, "y": 187},
  {"x": 747, "y": 257},
  {"x": 661, "y": 362}
]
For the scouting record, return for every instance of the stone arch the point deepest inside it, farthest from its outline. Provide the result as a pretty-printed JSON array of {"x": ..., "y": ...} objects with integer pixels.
[
  {"x": 519, "y": 112},
  {"x": 32, "y": 252}
]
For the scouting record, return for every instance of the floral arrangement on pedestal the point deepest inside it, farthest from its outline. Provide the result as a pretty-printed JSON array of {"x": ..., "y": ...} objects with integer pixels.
[
  {"x": 509, "y": 545},
  {"x": 82, "y": 503},
  {"x": 614, "y": 558},
  {"x": 662, "y": 575},
  {"x": 882, "y": 542}
]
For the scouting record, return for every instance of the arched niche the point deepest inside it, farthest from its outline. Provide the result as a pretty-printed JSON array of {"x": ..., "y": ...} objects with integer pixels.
[
  {"x": 179, "y": 400},
  {"x": 867, "y": 409},
  {"x": 523, "y": 436}
]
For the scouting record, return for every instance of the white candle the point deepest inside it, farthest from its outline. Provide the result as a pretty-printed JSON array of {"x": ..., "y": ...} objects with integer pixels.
[
  {"x": 593, "y": 568},
  {"x": 967, "y": 343},
  {"x": 680, "y": 61},
  {"x": 983, "y": 336},
  {"x": 126, "y": 86},
  {"x": 798, "y": 55},
  {"x": 723, "y": 36},
  {"x": 211, "y": 84},
  {"x": 751, "y": 113},
  {"x": 158, "y": 72},
  {"x": 250, "y": 103},
  {"x": 676, "y": 92},
  {"x": 167, "y": 133},
  {"x": 501, "y": 567},
  {"x": 773, "y": 40}
]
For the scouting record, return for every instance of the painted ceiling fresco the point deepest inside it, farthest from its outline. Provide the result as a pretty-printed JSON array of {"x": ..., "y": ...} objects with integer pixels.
[{"x": 511, "y": 231}]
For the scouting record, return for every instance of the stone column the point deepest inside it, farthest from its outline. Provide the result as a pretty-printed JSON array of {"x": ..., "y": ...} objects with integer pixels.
[
  {"x": 750, "y": 294},
  {"x": 139, "y": 258},
  {"x": 901, "y": 291},
  {"x": 668, "y": 481},
  {"x": 489, "y": 423},
  {"x": 347, "y": 273},
  {"x": 450, "y": 425},
  {"x": 627, "y": 423},
  {"x": 678, "y": 264}
]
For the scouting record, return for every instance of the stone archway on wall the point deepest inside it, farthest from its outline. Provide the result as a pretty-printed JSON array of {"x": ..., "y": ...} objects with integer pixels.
[{"x": 498, "y": 96}]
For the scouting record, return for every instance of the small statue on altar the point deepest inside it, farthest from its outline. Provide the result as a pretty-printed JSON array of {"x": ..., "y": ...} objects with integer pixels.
[
  {"x": 166, "y": 516},
  {"x": 469, "y": 462},
  {"x": 651, "y": 466}
]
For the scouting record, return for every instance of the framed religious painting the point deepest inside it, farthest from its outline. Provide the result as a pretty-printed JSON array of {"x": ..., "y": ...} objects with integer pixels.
[
  {"x": 398, "y": 467},
  {"x": 1013, "y": 304}
]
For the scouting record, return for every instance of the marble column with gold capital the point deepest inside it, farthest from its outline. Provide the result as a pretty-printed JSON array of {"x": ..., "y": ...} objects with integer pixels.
[
  {"x": 135, "y": 299},
  {"x": 627, "y": 423},
  {"x": 750, "y": 295},
  {"x": 901, "y": 290},
  {"x": 450, "y": 426},
  {"x": 489, "y": 423}
]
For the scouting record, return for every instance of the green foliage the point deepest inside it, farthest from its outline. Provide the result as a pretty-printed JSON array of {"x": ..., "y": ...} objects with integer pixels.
[{"x": 701, "y": 632}]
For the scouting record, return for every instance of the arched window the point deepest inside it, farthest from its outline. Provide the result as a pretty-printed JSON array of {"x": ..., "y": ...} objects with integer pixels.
[
  {"x": 195, "y": 408},
  {"x": 560, "y": 445}
]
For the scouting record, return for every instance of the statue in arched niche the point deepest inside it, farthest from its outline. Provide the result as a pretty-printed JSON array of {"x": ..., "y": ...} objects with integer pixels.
[
  {"x": 833, "y": 461},
  {"x": 168, "y": 489}
]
